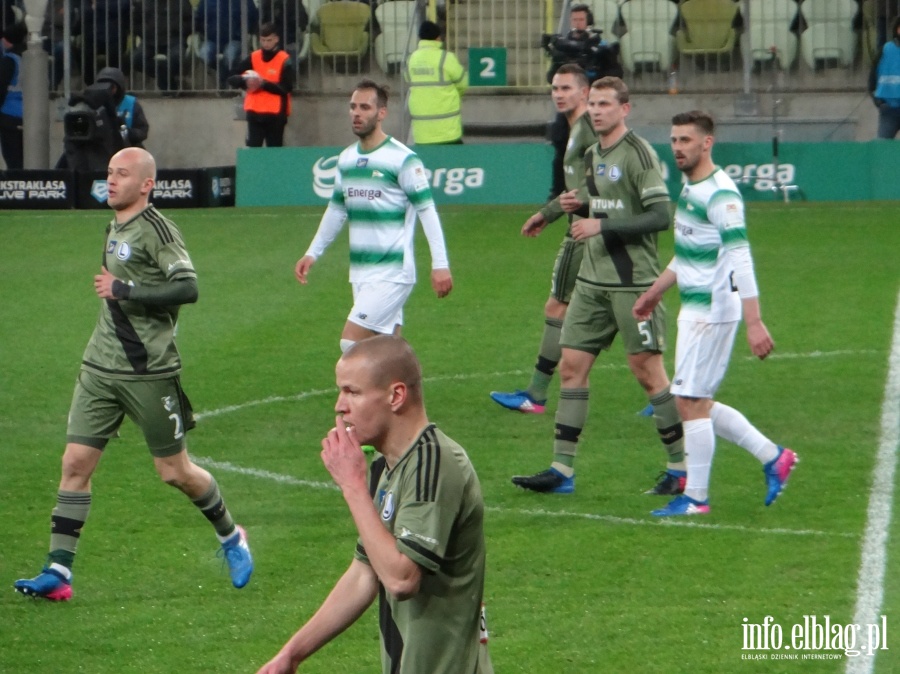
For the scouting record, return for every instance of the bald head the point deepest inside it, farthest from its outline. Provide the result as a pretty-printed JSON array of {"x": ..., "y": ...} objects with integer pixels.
[
  {"x": 138, "y": 159},
  {"x": 388, "y": 359},
  {"x": 129, "y": 180}
]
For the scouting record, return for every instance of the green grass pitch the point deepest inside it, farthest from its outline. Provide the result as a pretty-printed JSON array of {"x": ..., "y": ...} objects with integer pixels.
[{"x": 581, "y": 584}]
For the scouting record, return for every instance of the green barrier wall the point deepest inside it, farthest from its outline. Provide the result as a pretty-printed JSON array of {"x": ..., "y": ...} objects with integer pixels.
[{"x": 520, "y": 173}]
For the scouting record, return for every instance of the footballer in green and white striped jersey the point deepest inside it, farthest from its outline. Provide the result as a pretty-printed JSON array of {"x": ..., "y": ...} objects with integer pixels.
[
  {"x": 709, "y": 222},
  {"x": 380, "y": 192}
]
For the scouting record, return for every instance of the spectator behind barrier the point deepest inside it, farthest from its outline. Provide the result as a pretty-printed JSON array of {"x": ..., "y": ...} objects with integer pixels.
[
  {"x": 105, "y": 26},
  {"x": 164, "y": 26},
  {"x": 219, "y": 21}
]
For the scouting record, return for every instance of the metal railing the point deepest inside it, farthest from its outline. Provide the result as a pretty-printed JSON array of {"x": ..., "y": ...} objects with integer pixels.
[{"x": 188, "y": 47}]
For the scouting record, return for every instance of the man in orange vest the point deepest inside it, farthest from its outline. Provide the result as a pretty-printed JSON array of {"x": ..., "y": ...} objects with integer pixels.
[{"x": 268, "y": 78}]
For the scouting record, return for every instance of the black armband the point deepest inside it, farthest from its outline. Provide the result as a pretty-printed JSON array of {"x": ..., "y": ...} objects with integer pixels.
[{"x": 121, "y": 290}]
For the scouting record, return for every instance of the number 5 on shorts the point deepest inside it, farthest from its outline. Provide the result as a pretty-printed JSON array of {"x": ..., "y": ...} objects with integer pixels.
[{"x": 646, "y": 333}]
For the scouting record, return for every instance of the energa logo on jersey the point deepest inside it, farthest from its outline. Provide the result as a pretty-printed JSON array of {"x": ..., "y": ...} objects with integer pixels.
[{"x": 450, "y": 181}]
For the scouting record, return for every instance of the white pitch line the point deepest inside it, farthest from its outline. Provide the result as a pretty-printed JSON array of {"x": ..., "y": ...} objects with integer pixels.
[
  {"x": 870, "y": 583},
  {"x": 687, "y": 524},
  {"x": 228, "y": 467},
  {"x": 482, "y": 375}
]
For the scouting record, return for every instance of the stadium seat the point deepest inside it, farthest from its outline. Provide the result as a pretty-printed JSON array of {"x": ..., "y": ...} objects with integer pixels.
[
  {"x": 606, "y": 17},
  {"x": 829, "y": 31},
  {"x": 342, "y": 30},
  {"x": 707, "y": 27},
  {"x": 648, "y": 38},
  {"x": 770, "y": 29},
  {"x": 398, "y": 34}
]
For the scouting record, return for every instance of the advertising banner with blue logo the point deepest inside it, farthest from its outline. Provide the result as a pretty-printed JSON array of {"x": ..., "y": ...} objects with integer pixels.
[
  {"x": 519, "y": 173},
  {"x": 458, "y": 174}
]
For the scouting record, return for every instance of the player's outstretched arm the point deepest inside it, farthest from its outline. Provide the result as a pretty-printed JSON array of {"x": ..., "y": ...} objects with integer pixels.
[
  {"x": 534, "y": 225},
  {"x": 441, "y": 281},
  {"x": 301, "y": 271},
  {"x": 647, "y": 302},
  {"x": 348, "y": 600}
]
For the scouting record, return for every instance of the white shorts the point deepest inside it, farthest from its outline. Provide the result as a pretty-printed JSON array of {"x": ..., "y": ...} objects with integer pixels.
[
  {"x": 378, "y": 305},
  {"x": 702, "y": 352}
]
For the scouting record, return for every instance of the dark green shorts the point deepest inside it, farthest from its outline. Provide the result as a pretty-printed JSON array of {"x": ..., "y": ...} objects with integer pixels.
[
  {"x": 565, "y": 269},
  {"x": 595, "y": 316},
  {"x": 158, "y": 406}
]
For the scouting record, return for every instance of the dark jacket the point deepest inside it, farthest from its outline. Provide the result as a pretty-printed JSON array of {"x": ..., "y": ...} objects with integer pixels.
[
  {"x": 220, "y": 20},
  {"x": 160, "y": 23}
]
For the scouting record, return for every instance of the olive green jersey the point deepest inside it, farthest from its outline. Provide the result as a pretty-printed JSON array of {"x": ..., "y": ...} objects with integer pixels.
[
  {"x": 431, "y": 502},
  {"x": 623, "y": 181},
  {"x": 133, "y": 340},
  {"x": 581, "y": 137}
]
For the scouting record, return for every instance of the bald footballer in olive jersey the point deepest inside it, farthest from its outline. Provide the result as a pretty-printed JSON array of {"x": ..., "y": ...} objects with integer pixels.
[
  {"x": 130, "y": 368},
  {"x": 629, "y": 205}
]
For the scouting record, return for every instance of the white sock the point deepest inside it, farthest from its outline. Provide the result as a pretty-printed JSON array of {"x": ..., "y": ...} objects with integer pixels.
[
  {"x": 699, "y": 447},
  {"x": 62, "y": 570},
  {"x": 734, "y": 427},
  {"x": 567, "y": 471}
]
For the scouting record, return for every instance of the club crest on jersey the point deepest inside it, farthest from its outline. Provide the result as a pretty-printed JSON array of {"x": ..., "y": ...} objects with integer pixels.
[
  {"x": 362, "y": 162},
  {"x": 614, "y": 173},
  {"x": 110, "y": 247},
  {"x": 601, "y": 169},
  {"x": 387, "y": 512},
  {"x": 123, "y": 252}
]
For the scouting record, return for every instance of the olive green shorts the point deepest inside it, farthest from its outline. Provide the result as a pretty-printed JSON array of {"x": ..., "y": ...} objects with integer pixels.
[
  {"x": 565, "y": 269},
  {"x": 159, "y": 407},
  {"x": 596, "y": 315}
]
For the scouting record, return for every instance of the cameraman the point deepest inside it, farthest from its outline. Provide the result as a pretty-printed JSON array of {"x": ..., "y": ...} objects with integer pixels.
[
  {"x": 584, "y": 46},
  {"x": 133, "y": 122}
]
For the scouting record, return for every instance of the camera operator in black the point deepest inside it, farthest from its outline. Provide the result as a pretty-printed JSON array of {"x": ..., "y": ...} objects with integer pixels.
[
  {"x": 583, "y": 45},
  {"x": 99, "y": 122}
]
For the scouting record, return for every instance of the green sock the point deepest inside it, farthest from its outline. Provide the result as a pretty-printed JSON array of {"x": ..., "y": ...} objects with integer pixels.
[
  {"x": 570, "y": 419},
  {"x": 69, "y": 516},
  {"x": 213, "y": 508},
  {"x": 668, "y": 425},
  {"x": 548, "y": 359}
]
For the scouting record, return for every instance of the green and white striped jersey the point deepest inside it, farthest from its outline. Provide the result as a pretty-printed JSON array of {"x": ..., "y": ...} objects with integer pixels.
[
  {"x": 709, "y": 222},
  {"x": 380, "y": 192}
]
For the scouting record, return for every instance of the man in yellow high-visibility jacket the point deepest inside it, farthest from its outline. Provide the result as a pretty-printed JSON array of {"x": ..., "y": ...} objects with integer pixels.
[{"x": 436, "y": 83}]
